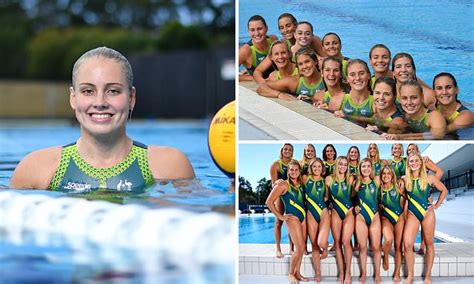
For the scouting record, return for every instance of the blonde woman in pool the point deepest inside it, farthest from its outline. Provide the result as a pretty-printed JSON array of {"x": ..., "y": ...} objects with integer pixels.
[{"x": 102, "y": 96}]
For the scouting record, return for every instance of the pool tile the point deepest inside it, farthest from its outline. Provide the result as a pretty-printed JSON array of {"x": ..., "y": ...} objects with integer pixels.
[
  {"x": 443, "y": 269},
  {"x": 461, "y": 271},
  {"x": 452, "y": 269},
  {"x": 270, "y": 268},
  {"x": 278, "y": 269},
  {"x": 248, "y": 268},
  {"x": 262, "y": 268}
]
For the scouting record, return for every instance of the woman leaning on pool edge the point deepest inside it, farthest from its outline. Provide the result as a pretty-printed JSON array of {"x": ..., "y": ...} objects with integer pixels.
[{"x": 104, "y": 157}]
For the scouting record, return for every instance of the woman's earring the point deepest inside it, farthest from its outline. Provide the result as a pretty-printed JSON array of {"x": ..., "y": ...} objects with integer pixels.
[{"x": 130, "y": 113}]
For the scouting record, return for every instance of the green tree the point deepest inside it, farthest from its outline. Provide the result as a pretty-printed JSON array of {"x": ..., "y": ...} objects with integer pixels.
[
  {"x": 246, "y": 194},
  {"x": 263, "y": 190}
]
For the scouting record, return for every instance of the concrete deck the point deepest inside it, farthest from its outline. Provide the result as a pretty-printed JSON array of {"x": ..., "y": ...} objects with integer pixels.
[
  {"x": 451, "y": 259},
  {"x": 297, "y": 120}
]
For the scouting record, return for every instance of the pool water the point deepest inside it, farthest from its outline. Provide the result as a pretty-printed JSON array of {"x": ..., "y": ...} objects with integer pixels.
[
  {"x": 438, "y": 34},
  {"x": 259, "y": 230},
  {"x": 42, "y": 242}
]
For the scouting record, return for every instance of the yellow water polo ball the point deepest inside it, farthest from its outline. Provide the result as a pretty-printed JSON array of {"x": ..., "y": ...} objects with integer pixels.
[{"x": 221, "y": 139}]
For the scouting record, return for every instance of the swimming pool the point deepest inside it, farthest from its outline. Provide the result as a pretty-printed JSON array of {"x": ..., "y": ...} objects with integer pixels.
[
  {"x": 438, "y": 34},
  {"x": 161, "y": 235},
  {"x": 259, "y": 230}
]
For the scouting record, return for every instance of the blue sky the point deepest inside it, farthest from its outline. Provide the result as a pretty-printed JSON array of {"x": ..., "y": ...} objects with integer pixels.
[{"x": 255, "y": 159}]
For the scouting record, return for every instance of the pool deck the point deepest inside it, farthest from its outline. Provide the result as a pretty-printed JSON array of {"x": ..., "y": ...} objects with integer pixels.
[
  {"x": 451, "y": 259},
  {"x": 266, "y": 118}
]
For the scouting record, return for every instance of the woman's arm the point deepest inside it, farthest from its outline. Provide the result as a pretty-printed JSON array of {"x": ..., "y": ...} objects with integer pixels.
[
  {"x": 37, "y": 169},
  {"x": 265, "y": 65},
  {"x": 169, "y": 163},
  {"x": 430, "y": 165},
  {"x": 279, "y": 89},
  {"x": 464, "y": 119},
  {"x": 278, "y": 189},
  {"x": 317, "y": 45},
  {"x": 439, "y": 186}
]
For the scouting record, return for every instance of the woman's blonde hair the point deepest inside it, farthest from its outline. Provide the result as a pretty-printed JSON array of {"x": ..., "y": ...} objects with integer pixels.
[
  {"x": 422, "y": 176},
  {"x": 316, "y": 160},
  {"x": 377, "y": 155},
  {"x": 294, "y": 163},
  {"x": 392, "y": 173},
  {"x": 304, "y": 151},
  {"x": 336, "y": 169}
]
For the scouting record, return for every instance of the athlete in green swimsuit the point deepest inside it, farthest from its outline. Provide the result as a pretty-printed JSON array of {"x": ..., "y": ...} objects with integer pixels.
[
  {"x": 74, "y": 174},
  {"x": 314, "y": 192},
  {"x": 368, "y": 199},
  {"x": 364, "y": 109},
  {"x": 392, "y": 209}
]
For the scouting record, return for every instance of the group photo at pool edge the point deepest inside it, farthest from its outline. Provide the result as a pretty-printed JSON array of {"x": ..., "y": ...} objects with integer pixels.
[
  {"x": 111, "y": 169},
  {"x": 429, "y": 97}
]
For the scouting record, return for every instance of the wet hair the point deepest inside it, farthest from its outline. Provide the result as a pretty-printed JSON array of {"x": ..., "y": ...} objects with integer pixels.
[
  {"x": 402, "y": 55},
  {"x": 305, "y": 23},
  {"x": 325, "y": 158},
  {"x": 445, "y": 74},
  {"x": 310, "y": 52},
  {"x": 364, "y": 64},
  {"x": 283, "y": 146},
  {"x": 294, "y": 163},
  {"x": 339, "y": 62},
  {"x": 377, "y": 155},
  {"x": 390, "y": 82},
  {"x": 316, "y": 160},
  {"x": 413, "y": 83},
  {"x": 334, "y": 34},
  {"x": 288, "y": 15},
  {"x": 255, "y": 18},
  {"x": 270, "y": 50},
  {"x": 380, "y": 45},
  {"x": 109, "y": 53}
]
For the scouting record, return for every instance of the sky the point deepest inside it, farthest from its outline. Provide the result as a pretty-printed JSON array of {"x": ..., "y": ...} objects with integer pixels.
[{"x": 255, "y": 159}]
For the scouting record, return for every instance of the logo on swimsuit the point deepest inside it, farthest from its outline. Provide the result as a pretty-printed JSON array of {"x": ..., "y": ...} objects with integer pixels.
[
  {"x": 124, "y": 186},
  {"x": 79, "y": 187},
  {"x": 304, "y": 92},
  {"x": 372, "y": 188},
  {"x": 260, "y": 58}
]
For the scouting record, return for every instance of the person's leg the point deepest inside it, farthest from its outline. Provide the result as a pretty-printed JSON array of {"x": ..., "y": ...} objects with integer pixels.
[
  {"x": 295, "y": 231},
  {"x": 399, "y": 228},
  {"x": 375, "y": 234},
  {"x": 347, "y": 232},
  {"x": 409, "y": 236},
  {"x": 427, "y": 229},
  {"x": 336, "y": 229},
  {"x": 323, "y": 235},
  {"x": 362, "y": 232},
  {"x": 388, "y": 236},
  {"x": 312, "y": 226},
  {"x": 277, "y": 230}
]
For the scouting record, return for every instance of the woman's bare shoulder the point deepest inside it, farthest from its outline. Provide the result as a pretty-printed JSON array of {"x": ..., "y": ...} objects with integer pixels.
[
  {"x": 37, "y": 169},
  {"x": 169, "y": 163}
]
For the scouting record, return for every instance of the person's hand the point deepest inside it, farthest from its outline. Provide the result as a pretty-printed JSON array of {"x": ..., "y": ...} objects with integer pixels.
[
  {"x": 302, "y": 97},
  {"x": 289, "y": 218},
  {"x": 390, "y": 136},
  {"x": 321, "y": 105},
  {"x": 372, "y": 127},
  {"x": 339, "y": 113},
  {"x": 286, "y": 97}
]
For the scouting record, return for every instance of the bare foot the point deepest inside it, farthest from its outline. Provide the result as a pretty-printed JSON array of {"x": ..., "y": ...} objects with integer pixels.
[
  {"x": 428, "y": 280},
  {"x": 324, "y": 253},
  {"x": 385, "y": 261},
  {"x": 301, "y": 278},
  {"x": 292, "y": 279},
  {"x": 340, "y": 278},
  {"x": 279, "y": 254},
  {"x": 408, "y": 280},
  {"x": 378, "y": 279},
  {"x": 348, "y": 280},
  {"x": 362, "y": 278},
  {"x": 396, "y": 278},
  {"x": 317, "y": 278}
]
